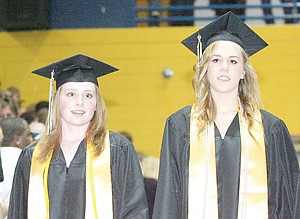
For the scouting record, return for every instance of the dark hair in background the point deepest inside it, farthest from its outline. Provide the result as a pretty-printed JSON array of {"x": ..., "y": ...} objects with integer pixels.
[
  {"x": 29, "y": 116},
  {"x": 11, "y": 127},
  {"x": 41, "y": 105}
]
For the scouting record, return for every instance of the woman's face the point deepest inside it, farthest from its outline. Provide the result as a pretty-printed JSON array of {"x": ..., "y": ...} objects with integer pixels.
[
  {"x": 78, "y": 102},
  {"x": 225, "y": 69}
]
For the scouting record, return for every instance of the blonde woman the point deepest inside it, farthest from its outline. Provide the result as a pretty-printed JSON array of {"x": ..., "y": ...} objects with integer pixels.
[
  {"x": 223, "y": 157},
  {"x": 78, "y": 169}
]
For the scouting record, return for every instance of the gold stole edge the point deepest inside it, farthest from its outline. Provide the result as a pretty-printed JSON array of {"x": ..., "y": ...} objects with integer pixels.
[
  {"x": 256, "y": 194},
  {"x": 99, "y": 195}
]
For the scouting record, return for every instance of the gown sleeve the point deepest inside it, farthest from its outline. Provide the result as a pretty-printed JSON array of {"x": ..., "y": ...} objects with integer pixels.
[
  {"x": 129, "y": 196},
  {"x": 171, "y": 195},
  {"x": 1, "y": 170},
  {"x": 19, "y": 192},
  {"x": 297, "y": 207},
  {"x": 283, "y": 169}
]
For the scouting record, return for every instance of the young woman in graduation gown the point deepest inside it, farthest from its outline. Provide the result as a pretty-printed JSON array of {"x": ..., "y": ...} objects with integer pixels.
[
  {"x": 224, "y": 157},
  {"x": 78, "y": 169}
]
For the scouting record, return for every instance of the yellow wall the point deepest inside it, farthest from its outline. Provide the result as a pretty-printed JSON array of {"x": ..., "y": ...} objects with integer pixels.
[{"x": 137, "y": 97}]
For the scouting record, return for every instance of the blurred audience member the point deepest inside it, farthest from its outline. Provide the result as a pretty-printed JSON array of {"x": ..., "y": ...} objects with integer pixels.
[
  {"x": 16, "y": 135},
  {"x": 37, "y": 118},
  {"x": 41, "y": 106},
  {"x": 16, "y": 132},
  {"x": 41, "y": 112},
  {"x": 149, "y": 166},
  {"x": 7, "y": 109},
  {"x": 29, "y": 116},
  {"x": 15, "y": 95},
  {"x": 150, "y": 187},
  {"x": 37, "y": 129}
]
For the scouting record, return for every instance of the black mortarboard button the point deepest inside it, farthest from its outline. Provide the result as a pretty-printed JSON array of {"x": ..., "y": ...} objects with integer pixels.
[
  {"x": 227, "y": 27},
  {"x": 78, "y": 68}
]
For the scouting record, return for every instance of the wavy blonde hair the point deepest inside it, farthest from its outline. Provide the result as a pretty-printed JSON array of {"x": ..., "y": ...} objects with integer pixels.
[
  {"x": 94, "y": 134},
  {"x": 248, "y": 90}
]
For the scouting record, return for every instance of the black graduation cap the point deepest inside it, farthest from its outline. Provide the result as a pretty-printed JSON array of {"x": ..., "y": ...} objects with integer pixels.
[
  {"x": 78, "y": 68},
  {"x": 230, "y": 28}
]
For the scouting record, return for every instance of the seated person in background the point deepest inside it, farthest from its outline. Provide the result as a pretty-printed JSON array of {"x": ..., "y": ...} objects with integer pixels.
[
  {"x": 7, "y": 109},
  {"x": 16, "y": 135},
  {"x": 149, "y": 167},
  {"x": 16, "y": 132},
  {"x": 37, "y": 119},
  {"x": 15, "y": 94}
]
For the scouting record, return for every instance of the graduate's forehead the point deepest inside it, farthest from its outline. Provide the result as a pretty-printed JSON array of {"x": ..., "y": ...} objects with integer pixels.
[
  {"x": 227, "y": 48},
  {"x": 82, "y": 86}
]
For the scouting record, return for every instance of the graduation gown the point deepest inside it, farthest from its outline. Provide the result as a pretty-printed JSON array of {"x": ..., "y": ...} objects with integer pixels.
[
  {"x": 1, "y": 170},
  {"x": 282, "y": 168},
  {"x": 66, "y": 186}
]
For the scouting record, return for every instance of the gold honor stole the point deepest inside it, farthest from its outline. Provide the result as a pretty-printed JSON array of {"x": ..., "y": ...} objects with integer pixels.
[
  {"x": 253, "y": 189},
  {"x": 98, "y": 185}
]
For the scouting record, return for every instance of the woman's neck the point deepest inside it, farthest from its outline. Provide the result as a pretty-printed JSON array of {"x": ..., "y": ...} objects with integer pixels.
[
  {"x": 72, "y": 136},
  {"x": 226, "y": 103},
  {"x": 71, "y": 132}
]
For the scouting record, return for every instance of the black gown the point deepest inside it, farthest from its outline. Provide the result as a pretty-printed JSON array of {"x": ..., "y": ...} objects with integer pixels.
[
  {"x": 1, "y": 170},
  {"x": 282, "y": 169},
  {"x": 66, "y": 186}
]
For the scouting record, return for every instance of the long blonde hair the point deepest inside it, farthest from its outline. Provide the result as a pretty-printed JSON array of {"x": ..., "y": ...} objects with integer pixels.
[
  {"x": 248, "y": 90},
  {"x": 94, "y": 134}
]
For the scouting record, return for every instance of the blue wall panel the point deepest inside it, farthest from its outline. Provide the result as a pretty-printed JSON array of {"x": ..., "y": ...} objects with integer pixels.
[{"x": 92, "y": 13}]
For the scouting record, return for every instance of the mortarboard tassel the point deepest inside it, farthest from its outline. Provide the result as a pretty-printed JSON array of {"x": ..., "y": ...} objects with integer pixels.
[
  {"x": 199, "y": 48},
  {"x": 50, "y": 109}
]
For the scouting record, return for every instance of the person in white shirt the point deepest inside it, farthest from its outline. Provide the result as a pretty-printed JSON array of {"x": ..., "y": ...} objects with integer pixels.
[{"x": 16, "y": 135}]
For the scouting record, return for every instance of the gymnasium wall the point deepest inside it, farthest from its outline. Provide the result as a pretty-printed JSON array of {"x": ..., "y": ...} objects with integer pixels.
[{"x": 138, "y": 98}]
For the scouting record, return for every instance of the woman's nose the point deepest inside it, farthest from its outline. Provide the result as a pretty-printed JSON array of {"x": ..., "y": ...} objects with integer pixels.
[
  {"x": 224, "y": 66},
  {"x": 79, "y": 100}
]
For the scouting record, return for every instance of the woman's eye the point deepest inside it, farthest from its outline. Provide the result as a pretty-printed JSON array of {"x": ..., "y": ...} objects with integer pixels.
[
  {"x": 89, "y": 95},
  {"x": 71, "y": 94},
  {"x": 233, "y": 61},
  {"x": 215, "y": 60}
]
